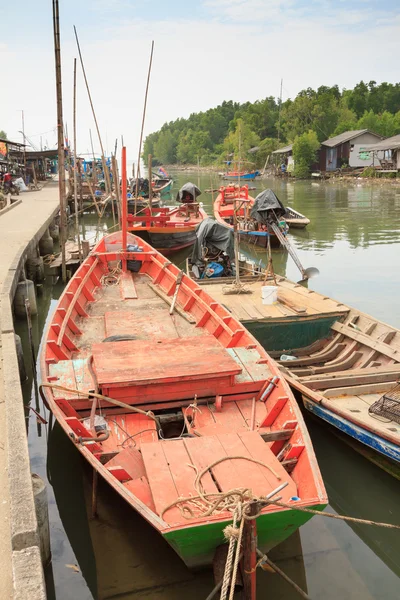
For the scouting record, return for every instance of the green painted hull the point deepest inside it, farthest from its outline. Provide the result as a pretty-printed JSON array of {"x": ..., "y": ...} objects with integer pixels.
[
  {"x": 287, "y": 334},
  {"x": 196, "y": 545}
]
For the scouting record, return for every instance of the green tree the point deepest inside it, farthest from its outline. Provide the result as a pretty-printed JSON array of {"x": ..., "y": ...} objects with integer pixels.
[
  {"x": 165, "y": 147},
  {"x": 305, "y": 148},
  {"x": 192, "y": 146},
  {"x": 3, "y": 134},
  {"x": 239, "y": 141},
  {"x": 266, "y": 147}
]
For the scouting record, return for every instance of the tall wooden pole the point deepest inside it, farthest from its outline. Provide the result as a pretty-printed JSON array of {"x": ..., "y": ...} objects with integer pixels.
[
  {"x": 141, "y": 132},
  {"x": 149, "y": 159},
  {"x": 23, "y": 134},
  {"x": 103, "y": 159},
  {"x": 124, "y": 206},
  {"x": 60, "y": 139},
  {"x": 94, "y": 170},
  {"x": 75, "y": 168}
]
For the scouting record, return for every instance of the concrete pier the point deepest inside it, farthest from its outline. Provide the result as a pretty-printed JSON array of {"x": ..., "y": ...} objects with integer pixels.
[{"x": 20, "y": 563}]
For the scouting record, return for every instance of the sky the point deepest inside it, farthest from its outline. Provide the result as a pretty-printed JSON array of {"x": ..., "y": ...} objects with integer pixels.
[{"x": 206, "y": 51}]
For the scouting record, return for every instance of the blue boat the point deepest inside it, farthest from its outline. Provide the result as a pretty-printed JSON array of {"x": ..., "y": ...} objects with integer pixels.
[
  {"x": 243, "y": 176},
  {"x": 348, "y": 376}
]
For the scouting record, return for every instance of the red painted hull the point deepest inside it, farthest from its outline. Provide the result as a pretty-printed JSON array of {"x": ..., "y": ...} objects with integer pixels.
[{"x": 113, "y": 331}]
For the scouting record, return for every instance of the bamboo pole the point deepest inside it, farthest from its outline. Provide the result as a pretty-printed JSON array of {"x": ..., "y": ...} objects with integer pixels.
[
  {"x": 75, "y": 163},
  {"x": 94, "y": 170},
  {"x": 105, "y": 169},
  {"x": 93, "y": 198},
  {"x": 141, "y": 132},
  {"x": 60, "y": 139},
  {"x": 116, "y": 186},
  {"x": 150, "y": 182},
  {"x": 124, "y": 206}
]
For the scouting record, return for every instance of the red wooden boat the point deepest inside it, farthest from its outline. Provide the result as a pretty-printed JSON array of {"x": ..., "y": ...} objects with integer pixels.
[
  {"x": 170, "y": 228},
  {"x": 154, "y": 382},
  {"x": 250, "y": 230}
]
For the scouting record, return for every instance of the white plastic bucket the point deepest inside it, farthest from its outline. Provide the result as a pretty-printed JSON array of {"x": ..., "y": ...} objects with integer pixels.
[{"x": 269, "y": 294}]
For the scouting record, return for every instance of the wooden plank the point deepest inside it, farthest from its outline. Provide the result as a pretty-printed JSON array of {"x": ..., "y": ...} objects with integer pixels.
[
  {"x": 64, "y": 375},
  {"x": 152, "y": 326},
  {"x": 131, "y": 460},
  {"x": 119, "y": 473},
  {"x": 161, "y": 483},
  {"x": 210, "y": 422},
  {"x": 371, "y": 388},
  {"x": 76, "y": 296},
  {"x": 316, "y": 359},
  {"x": 140, "y": 488},
  {"x": 274, "y": 411},
  {"x": 250, "y": 358},
  {"x": 272, "y": 436},
  {"x": 127, "y": 286},
  {"x": 351, "y": 380},
  {"x": 66, "y": 407},
  {"x": 331, "y": 367},
  {"x": 247, "y": 474},
  {"x": 142, "y": 361},
  {"x": 259, "y": 450},
  {"x": 292, "y": 305},
  {"x": 178, "y": 460},
  {"x": 366, "y": 340},
  {"x": 244, "y": 375},
  {"x": 201, "y": 458},
  {"x": 177, "y": 308}
]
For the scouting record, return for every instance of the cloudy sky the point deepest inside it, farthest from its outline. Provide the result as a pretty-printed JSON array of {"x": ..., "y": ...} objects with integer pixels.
[{"x": 206, "y": 51}]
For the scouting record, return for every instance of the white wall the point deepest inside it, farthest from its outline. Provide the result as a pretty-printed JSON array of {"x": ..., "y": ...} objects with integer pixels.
[{"x": 360, "y": 156}]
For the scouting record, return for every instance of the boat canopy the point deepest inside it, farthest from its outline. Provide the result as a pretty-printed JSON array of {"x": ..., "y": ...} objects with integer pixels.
[
  {"x": 211, "y": 232},
  {"x": 266, "y": 206},
  {"x": 188, "y": 188}
]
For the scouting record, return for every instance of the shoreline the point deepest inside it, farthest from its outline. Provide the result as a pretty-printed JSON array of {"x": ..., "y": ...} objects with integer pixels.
[{"x": 381, "y": 181}]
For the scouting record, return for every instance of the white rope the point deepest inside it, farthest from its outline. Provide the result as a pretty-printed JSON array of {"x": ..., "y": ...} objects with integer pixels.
[{"x": 231, "y": 533}]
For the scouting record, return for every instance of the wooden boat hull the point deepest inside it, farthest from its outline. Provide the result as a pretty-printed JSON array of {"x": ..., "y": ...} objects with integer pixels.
[
  {"x": 243, "y": 177},
  {"x": 345, "y": 360},
  {"x": 142, "y": 203},
  {"x": 169, "y": 242},
  {"x": 169, "y": 229},
  {"x": 294, "y": 219},
  {"x": 196, "y": 545},
  {"x": 297, "y": 223},
  {"x": 360, "y": 434},
  {"x": 164, "y": 188},
  {"x": 223, "y": 212},
  {"x": 200, "y": 354}
]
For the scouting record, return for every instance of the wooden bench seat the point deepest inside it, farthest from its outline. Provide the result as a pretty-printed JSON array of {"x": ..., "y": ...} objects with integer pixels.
[{"x": 129, "y": 369}]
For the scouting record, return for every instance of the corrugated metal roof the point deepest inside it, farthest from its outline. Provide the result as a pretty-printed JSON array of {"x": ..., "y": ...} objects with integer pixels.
[
  {"x": 345, "y": 137},
  {"x": 389, "y": 144},
  {"x": 11, "y": 143},
  {"x": 283, "y": 150}
]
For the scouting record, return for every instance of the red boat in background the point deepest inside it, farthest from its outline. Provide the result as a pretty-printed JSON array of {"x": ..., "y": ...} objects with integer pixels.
[
  {"x": 169, "y": 228},
  {"x": 232, "y": 198}
]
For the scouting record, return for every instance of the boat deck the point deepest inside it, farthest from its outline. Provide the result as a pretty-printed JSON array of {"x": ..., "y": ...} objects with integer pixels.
[
  {"x": 351, "y": 370},
  {"x": 142, "y": 346},
  {"x": 294, "y": 301},
  {"x": 159, "y": 472}
]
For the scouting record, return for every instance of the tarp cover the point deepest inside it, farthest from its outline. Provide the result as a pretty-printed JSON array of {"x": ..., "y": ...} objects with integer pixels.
[
  {"x": 265, "y": 205},
  {"x": 188, "y": 188},
  {"x": 211, "y": 232}
]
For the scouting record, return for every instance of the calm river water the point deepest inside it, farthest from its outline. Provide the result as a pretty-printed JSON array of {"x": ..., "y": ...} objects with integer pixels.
[{"x": 354, "y": 241}]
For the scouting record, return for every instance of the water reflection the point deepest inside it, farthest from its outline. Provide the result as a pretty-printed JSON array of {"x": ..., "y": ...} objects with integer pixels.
[{"x": 353, "y": 239}]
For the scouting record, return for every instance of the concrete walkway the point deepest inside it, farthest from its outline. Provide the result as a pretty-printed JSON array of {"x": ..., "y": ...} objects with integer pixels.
[{"x": 20, "y": 567}]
